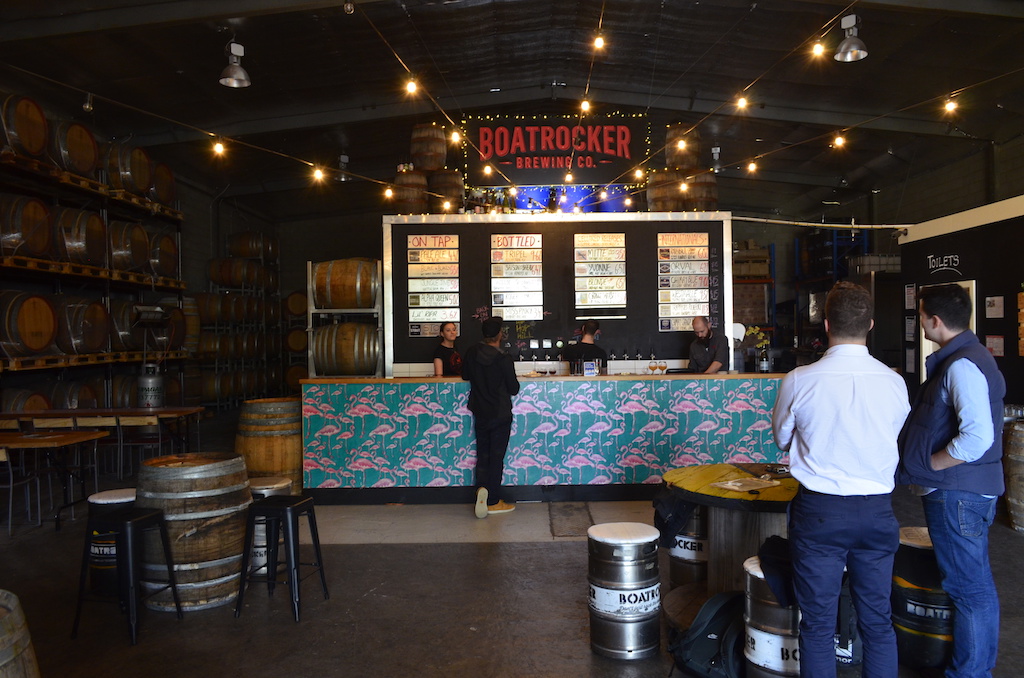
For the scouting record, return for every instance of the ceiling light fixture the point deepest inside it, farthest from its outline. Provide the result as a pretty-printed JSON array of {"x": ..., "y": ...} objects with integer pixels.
[
  {"x": 87, "y": 106},
  {"x": 233, "y": 74},
  {"x": 851, "y": 48}
]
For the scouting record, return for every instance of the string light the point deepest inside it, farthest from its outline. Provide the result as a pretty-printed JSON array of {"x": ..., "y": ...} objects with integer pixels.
[
  {"x": 568, "y": 177},
  {"x": 639, "y": 173},
  {"x": 388, "y": 193},
  {"x": 218, "y": 148},
  {"x": 681, "y": 144},
  {"x": 447, "y": 205},
  {"x": 456, "y": 137},
  {"x": 585, "y": 106},
  {"x": 318, "y": 174},
  {"x": 627, "y": 202},
  {"x": 599, "y": 42},
  {"x": 818, "y": 48},
  {"x": 950, "y": 105},
  {"x": 838, "y": 141},
  {"x": 513, "y": 191},
  {"x": 752, "y": 167},
  {"x": 683, "y": 186},
  {"x": 741, "y": 102},
  {"x": 604, "y": 195},
  {"x": 410, "y": 86},
  {"x": 487, "y": 170}
]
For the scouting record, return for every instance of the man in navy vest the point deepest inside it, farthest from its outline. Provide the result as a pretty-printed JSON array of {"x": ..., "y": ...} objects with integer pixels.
[{"x": 950, "y": 451}]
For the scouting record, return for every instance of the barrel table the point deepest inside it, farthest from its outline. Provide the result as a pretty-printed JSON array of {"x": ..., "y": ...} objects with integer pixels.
[{"x": 738, "y": 522}]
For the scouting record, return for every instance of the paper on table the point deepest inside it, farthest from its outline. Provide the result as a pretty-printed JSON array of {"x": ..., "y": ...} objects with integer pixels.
[{"x": 745, "y": 484}]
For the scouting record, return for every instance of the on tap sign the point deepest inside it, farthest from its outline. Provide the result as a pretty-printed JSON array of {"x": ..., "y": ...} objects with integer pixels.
[{"x": 541, "y": 150}]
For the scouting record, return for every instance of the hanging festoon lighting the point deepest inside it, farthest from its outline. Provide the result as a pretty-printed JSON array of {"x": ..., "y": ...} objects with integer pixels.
[
  {"x": 233, "y": 74},
  {"x": 851, "y": 48}
]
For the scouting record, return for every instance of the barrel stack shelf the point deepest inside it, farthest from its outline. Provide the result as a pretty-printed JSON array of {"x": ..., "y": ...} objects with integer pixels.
[
  {"x": 86, "y": 238},
  {"x": 346, "y": 340},
  {"x": 294, "y": 309}
]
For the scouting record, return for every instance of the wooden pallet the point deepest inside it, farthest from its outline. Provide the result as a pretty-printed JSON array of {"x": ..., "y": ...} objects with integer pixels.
[
  {"x": 35, "y": 362},
  {"x": 85, "y": 271},
  {"x": 84, "y": 183},
  {"x": 27, "y": 164},
  {"x": 30, "y": 263},
  {"x": 131, "y": 198}
]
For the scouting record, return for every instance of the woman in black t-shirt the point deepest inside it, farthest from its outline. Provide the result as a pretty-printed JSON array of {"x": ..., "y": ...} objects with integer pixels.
[{"x": 447, "y": 361}]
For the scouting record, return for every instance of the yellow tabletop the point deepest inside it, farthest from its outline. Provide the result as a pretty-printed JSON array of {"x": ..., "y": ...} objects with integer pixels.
[{"x": 695, "y": 484}]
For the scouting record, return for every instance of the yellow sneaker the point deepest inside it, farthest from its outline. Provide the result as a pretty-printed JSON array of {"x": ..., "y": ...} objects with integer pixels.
[
  {"x": 501, "y": 507},
  {"x": 481, "y": 503}
]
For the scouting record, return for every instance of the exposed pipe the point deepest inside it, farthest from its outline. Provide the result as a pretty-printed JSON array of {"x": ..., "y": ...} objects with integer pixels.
[{"x": 814, "y": 224}]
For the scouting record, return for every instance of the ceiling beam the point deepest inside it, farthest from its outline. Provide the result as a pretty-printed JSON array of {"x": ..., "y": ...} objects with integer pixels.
[{"x": 1011, "y": 9}]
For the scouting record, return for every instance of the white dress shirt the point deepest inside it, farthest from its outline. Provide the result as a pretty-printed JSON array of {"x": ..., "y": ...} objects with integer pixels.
[{"x": 839, "y": 419}]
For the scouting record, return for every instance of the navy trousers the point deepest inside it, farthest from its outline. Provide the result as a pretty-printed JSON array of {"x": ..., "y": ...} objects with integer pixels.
[
  {"x": 828, "y": 533},
  {"x": 491, "y": 445}
]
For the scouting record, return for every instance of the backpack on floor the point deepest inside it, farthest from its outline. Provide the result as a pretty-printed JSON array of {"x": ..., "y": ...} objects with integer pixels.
[{"x": 713, "y": 645}]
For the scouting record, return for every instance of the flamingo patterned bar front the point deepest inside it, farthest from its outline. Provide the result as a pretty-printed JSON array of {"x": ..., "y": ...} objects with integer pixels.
[{"x": 380, "y": 433}]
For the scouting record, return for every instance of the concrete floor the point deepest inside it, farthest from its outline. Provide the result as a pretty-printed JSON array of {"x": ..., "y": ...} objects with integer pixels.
[{"x": 415, "y": 591}]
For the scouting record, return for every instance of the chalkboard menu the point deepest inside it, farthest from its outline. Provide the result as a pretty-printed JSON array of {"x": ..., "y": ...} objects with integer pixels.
[{"x": 643, "y": 276}]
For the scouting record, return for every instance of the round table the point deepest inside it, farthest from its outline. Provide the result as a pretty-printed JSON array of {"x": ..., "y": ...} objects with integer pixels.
[{"x": 738, "y": 521}]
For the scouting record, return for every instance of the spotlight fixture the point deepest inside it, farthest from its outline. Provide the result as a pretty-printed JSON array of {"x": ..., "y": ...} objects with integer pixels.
[
  {"x": 87, "y": 106},
  {"x": 851, "y": 48},
  {"x": 233, "y": 74}
]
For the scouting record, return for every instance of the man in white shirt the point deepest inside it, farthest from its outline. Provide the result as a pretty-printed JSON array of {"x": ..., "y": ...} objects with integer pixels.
[{"x": 839, "y": 419}]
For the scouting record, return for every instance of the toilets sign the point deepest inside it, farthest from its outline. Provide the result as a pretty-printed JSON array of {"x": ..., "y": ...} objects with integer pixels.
[{"x": 541, "y": 151}]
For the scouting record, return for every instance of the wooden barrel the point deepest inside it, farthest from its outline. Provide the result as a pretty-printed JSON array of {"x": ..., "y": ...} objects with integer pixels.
[
  {"x": 192, "y": 385},
  {"x": 209, "y": 346},
  {"x": 270, "y": 439},
  {"x": 292, "y": 377},
  {"x": 125, "y": 335},
  {"x": 272, "y": 312},
  {"x": 1013, "y": 471},
  {"x": 703, "y": 193},
  {"x": 345, "y": 283},
  {"x": 80, "y": 235},
  {"x": 28, "y": 323},
  {"x": 664, "y": 192},
  {"x": 124, "y": 389},
  {"x": 129, "y": 246},
  {"x": 72, "y": 395},
  {"x": 271, "y": 279},
  {"x": 173, "y": 389},
  {"x": 246, "y": 244},
  {"x": 25, "y": 125},
  {"x": 205, "y": 498},
  {"x": 73, "y": 146},
  {"x": 233, "y": 272},
  {"x": 234, "y": 308},
  {"x": 164, "y": 189},
  {"x": 275, "y": 377},
  {"x": 83, "y": 325},
  {"x": 170, "y": 337},
  {"x": 22, "y": 399},
  {"x": 429, "y": 147},
  {"x": 410, "y": 192},
  {"x": 271, "y": 247},
  {"x": 24, "y": 226},
  {"x": 190, "y": 318},
  {"x": 295, "y": 305},
  {"x": 217, "y": 386},
  {"x": 129, "y": 168},
  {"x": 163, "y": 255},
  {"x": 17, "y": 656},
  {"x": 346, "y": 349},
  {"x": 686, "y": 156},
  {"x": 296, "y": 340},
  {"x": 452, "y": 188},
  {"x": 922, "y": 612},
  {"x": 210, "y": 307}
]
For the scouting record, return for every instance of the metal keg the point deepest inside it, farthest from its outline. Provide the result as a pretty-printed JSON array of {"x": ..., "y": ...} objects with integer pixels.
[
  {"x": 688, "y": 557},
  {"x": 922, "y": 612},
  {"x": 772, "y": 645},
  {"x": 625, "y": 590},
  {"x": 261, "y": 488},
  {"x": 151, "y": 386}
]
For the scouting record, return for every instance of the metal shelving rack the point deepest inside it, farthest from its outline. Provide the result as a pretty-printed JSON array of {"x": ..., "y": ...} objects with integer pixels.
[{"x": 320, "y": 317}]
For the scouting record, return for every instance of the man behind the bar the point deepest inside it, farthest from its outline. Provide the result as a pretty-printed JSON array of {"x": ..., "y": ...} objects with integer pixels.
[
  {"x": 839, "y": 419},
  {"x": 709, "y": 352},
  {"x": 586, "y": 349},
  {"x": 492, "y": 379},
  {"x": 951, "y": 448}
]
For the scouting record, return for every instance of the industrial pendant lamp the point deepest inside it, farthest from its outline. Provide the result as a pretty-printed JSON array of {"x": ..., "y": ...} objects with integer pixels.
[
  {"x": 233, "y": 74},
  {"x": 851, "y": 48}
]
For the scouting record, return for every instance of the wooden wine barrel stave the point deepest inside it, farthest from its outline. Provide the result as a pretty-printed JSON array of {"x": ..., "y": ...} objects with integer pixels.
[
  {"x": 129, "y": 246},
  {"x": 129, "y": 168},
  {"x": 73, "y": 146},
  {"x": 83, "y": 325},
  {"x": 80, "y": 235},
  {"x": 25, "y": 125},
  {"x": 345, "y": 283},
  {"x": 28, "y": 323},
  {"x": 346, "y": 349},
  {"x": 25, "y": 226}
]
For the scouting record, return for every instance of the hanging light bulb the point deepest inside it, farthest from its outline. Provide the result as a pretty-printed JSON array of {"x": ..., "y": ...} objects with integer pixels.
[
  {"x": 456, "y": 137},
  {"x": 741, "y": 102},
  {"x": 599, "y": 42},
  {"x": 513, "y": 191},
  {"x": 568, "y": 177},
  {"x": 950, "y": 105},
  {"x": 639, "y": 173},
  {"x": 447, "y": 205},
  {"x": 576, "y": 208},
  {"x": 585, "y": 106},
  {"x": 752, "y": 167},
  {"x": 562, "y": 197},
  {"x": 604, "y": 195},
  {"x": 388, "y": 193},
  {"x": 818, "y": 49},
  {"x": 487, "y": 170},
  {"x": 318, "y": 174},
  {"x": 218, "y": 148},
  {"x": 683, "y": 186},
  {"x": 681, "y": 144},
  {"x": 627, "y": 202},
  {"x": 410, "y": 86},
  {"x": 839, "y": 141}
]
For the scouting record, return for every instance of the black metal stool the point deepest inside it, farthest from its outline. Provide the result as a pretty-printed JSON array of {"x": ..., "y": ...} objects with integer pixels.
[
  {"x": 277, "y": 512},
  {"x": 128, "y": 525}
]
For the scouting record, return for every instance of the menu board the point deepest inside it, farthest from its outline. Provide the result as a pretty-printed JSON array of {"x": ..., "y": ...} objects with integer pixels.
[
  {"x": 433, "y": 296},
  {"x": 684, "y": 286},
  {"x": 600, "y": 269},
  {"x": 644, "y": 279},
  {"x": 517, "y": 258}
]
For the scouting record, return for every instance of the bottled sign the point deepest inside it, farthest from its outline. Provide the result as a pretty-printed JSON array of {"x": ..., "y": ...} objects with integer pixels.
[{"x": 540, "y": 151}]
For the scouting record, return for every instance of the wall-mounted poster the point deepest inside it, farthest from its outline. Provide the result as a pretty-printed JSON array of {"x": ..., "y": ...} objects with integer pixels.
[
  {"x": 600, "y": 269},
  {"x": 518, "y": 257},
  {"x": 433, "y": 281}
]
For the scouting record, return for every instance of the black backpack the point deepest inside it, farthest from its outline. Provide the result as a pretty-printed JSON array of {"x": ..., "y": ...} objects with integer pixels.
[{"x": 713, "y": 645}]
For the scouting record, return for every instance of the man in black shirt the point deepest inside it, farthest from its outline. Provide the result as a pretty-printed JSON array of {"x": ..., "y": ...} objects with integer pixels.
[
  {"x": 585, "y": 348},
  {"x": 492, "y": 378},
  {"x": 709, "y": 352}
]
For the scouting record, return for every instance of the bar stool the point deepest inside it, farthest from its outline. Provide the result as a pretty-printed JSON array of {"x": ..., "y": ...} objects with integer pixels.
[
  {"x": 265, "y": 487},
  {"x": 128, "y": 523},
  {"x": 103, "y": 546},
  {"x": 280, "y": 511}
]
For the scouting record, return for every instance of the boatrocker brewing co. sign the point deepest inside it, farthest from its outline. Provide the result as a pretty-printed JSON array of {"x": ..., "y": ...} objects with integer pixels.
[{"x": 539, "y": 151}]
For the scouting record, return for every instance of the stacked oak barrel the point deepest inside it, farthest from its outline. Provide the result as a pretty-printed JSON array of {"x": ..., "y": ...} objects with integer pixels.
[
  {"x": 685, "y": 185},
  {"x": 240, "y": 341},
  {"x": 293, "y": 311},
  {"x": 425, "y": 184}
]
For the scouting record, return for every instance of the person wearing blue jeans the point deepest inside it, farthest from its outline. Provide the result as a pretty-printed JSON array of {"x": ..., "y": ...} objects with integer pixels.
[
  {"x": 951, "y": 449},
  {"x": 839, "y": 419}
]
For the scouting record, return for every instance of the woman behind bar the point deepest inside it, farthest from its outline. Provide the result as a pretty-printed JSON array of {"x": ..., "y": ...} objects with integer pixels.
[{"x": 447, "y": 361}]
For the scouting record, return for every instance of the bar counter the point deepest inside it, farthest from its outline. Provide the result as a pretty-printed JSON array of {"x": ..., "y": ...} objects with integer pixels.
[{"x": 624, "y": 430}]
